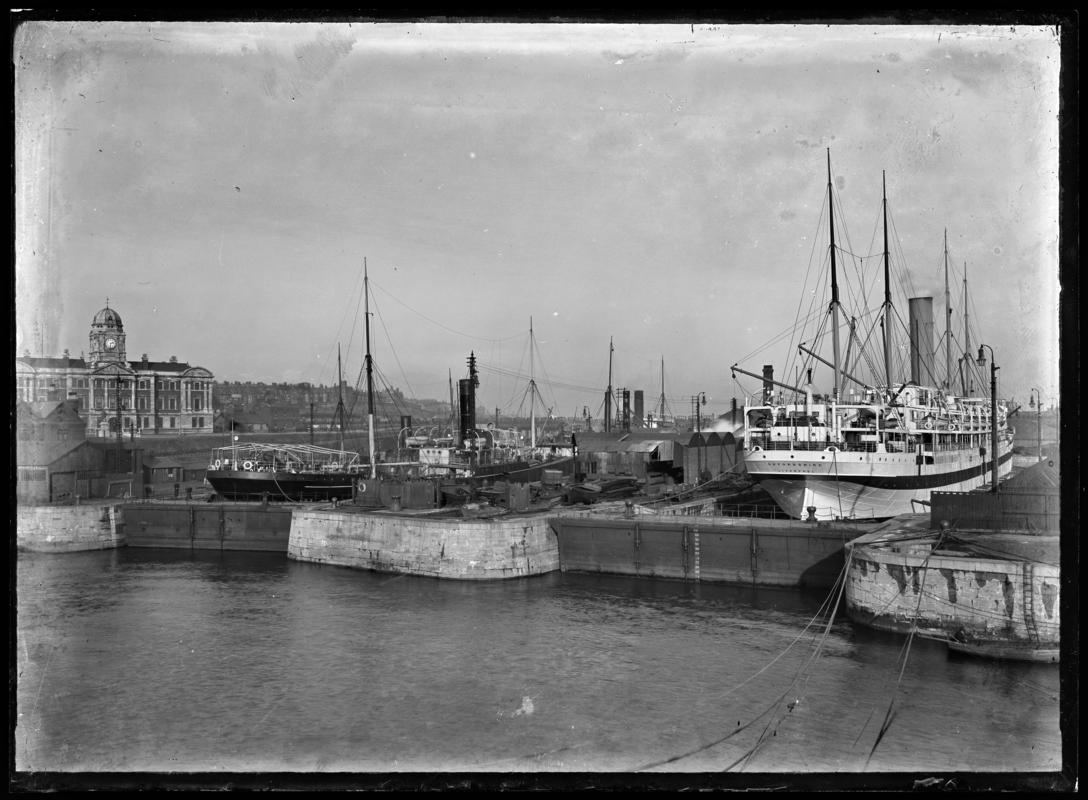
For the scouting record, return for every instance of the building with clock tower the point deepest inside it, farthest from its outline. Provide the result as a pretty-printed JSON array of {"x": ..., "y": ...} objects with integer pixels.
[
  {"x": 112, "y": 393},
  {"x": 107, "y": 337}
]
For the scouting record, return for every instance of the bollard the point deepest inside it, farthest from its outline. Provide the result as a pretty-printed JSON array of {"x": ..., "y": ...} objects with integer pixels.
[
  {"x": 629, "y": 511},
  {"x": 811, "y": 513},
  {"x": 396, "y": 502}
]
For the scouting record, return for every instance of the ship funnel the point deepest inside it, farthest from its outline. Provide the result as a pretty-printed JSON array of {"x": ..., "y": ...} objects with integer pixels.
[
  {"x": 466, "y": 397},
  {"x": 921, "y": 340},
  {"x": 768, "y": 383},
  {"x": 640, "y": 412}
]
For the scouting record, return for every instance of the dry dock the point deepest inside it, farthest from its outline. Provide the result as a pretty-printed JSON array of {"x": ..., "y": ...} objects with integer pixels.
[
  {"x": 447, "y": 544},
  {"x": 738, "y": 550}
]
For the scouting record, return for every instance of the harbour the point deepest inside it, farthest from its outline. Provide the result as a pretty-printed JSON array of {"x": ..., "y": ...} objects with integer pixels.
[
  {"x": 292, "y": 667},
  {"x": 469, "y": 404}
]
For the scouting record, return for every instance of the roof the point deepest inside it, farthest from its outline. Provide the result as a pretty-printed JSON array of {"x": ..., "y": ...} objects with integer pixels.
[
  {"x": 1043, "y": 476},
  {"x": 47, "y": 408},
  {"x": 183, "y": 460},
  {"x": 44, "y": 454},
  {"x": 107, "y": 316},
  {"x": 47, "y": 362},
  {"x": 159, "y": 366},
  {"x": 626, "y": 442}
]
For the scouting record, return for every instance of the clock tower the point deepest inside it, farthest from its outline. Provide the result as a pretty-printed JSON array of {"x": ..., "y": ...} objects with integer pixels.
[{"x": 107, "y": 337}]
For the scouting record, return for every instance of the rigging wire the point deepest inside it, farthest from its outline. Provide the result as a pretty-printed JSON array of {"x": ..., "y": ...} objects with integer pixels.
[
  {"x": 392, "y": 349},
  {"x": 836, "y": 592},
  {"x": 892, "y": 711},
  {"x": 439, "y": 324}
]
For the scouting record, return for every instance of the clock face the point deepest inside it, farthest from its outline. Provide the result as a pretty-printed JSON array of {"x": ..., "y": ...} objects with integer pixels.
[{"x": 111, "y": 343}]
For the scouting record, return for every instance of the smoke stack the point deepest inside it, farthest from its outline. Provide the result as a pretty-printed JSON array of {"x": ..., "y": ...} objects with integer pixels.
[
  {"x": 639, "y": 408},
  {"x": 467, "y": 399},
  {"x": 921, "y": 340},
  {"x": 768, "y": 383}
]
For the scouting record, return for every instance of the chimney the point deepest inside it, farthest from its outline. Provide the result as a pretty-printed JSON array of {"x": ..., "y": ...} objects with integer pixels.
[
  {"x": 173, "y": 359},
  {"x": 768, "y": 383},
  {"x": 143, "y": 358},
  {"x": 921, "y": 340},
  {"x": 466, "y": 389}
]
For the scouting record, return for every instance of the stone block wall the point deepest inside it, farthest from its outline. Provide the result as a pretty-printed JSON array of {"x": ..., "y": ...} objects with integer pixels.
[
  {"x": 60, "y": 529},
  {"x": 465, "y": 549},
  {"x": 1011, "y": 599}
]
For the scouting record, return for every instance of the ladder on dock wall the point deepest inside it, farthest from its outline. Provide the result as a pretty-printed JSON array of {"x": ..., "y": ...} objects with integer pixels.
[{"x": 1029, "y": 602}]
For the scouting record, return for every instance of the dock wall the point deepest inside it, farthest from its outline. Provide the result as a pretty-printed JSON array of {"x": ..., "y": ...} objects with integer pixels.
[
  {"x": 209, "y": 526},
  {"x": 712, "y": 549},
  {"x": 985, "y": 598},
  {"x": 64, "y": 529},
  {"x": 464, "y": 549}
]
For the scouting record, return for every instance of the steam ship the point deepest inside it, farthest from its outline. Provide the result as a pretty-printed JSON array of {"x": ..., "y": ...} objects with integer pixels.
[{"x": 880, "y": 447}]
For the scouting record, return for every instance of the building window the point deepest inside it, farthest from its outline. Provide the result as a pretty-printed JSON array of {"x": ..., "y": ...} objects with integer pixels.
[
  {"x": 173, "y": 422},
  {"x": 173, "y": 404},
  {"x": 147, "y": 422}
]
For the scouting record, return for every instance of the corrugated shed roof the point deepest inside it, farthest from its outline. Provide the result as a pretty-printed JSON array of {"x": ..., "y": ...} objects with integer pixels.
[
  {"x": 629, "y": 442},
  {"x": 1043, "y": 476}
]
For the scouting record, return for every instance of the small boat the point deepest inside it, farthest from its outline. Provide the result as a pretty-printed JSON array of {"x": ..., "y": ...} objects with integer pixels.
[
  {"x": 1047, "y": 653},
  {"x": 285, "y": 472}
]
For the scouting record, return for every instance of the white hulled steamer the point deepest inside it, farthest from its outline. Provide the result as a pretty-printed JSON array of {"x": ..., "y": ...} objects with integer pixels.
[{"x": 880, "y": 448}]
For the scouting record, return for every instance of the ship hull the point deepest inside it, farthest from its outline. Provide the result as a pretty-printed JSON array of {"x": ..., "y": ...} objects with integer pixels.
[
  {"x": 847, "y": 485},
  {"x": 281, "y": 486}
]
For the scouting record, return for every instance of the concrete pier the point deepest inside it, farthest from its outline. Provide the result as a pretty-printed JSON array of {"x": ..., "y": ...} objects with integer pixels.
[
  {"x": 66, "y": 529},
  {"x": 509, "y": 546},
  {"x": 902, "y": 583}
]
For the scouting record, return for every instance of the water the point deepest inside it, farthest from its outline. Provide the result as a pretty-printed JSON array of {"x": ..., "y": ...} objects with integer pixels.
[{"x": 161, "y": 661}]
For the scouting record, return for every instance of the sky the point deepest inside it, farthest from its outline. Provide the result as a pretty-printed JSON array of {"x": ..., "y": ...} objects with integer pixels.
[{"x": 658, "y": 187}]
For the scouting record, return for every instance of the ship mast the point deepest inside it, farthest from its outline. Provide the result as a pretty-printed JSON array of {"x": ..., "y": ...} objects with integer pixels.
[
  {"x": 661, "y": 408},
  {"x": 532, "y": 390},
  {"x": 369, "y": 374},
  {"x": 887, "y": 294},
  {"x": 947, "y": 321},
  {"x": 608, "y": 391},
  {"x": 340, "y": 397},
  {"x": 968, "y": 388},
  {"x": 834, "y": 309},
  {"x": 453, "y": 404}
]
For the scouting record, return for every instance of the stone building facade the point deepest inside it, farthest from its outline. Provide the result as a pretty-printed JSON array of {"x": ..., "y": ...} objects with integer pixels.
[{"x": 143, "y": 397}]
